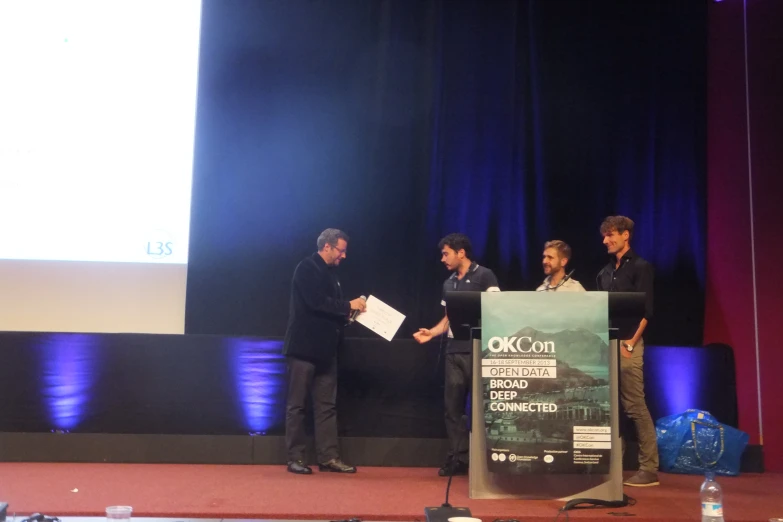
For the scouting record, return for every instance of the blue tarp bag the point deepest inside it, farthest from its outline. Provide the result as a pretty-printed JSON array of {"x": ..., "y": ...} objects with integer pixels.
[{"x": 695, "y": 442}]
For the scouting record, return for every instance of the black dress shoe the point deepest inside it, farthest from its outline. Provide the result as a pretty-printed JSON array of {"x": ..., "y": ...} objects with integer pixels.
[
  {"x": 453, "y": 468},
  {"x": 299, "y": 467},
  {"x": 336, "y": 466}
]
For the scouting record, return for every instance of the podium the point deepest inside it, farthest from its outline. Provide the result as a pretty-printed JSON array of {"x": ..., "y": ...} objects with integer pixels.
[{"x": 464, "y": 312}]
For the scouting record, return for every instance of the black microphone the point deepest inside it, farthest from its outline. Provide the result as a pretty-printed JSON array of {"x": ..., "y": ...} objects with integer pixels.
[
  {"x": 355, "y": 313},
  {"x": 562, "y": 282},
  {"x": 598, "y": 279}
]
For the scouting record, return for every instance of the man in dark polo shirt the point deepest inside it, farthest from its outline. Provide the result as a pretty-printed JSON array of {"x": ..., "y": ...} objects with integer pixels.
[
  {"x": 457, "y": 254},
  {"x": 628, "y": 272}
]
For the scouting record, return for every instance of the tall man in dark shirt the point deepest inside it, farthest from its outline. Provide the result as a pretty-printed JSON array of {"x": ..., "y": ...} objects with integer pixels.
[
  {"x": 318, "y": 313},
  {"x": 628, "y": 272},
  {"x": 457, "y": 255}
]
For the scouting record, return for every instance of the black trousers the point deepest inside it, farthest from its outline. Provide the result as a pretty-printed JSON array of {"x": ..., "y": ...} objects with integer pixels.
[
  {"x": 459, "y": 380},
  {"x": 318, "y": 382}
]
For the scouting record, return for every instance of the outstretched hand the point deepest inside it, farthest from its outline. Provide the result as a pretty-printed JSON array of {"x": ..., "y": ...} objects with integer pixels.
[{"x": 423, "y": 335}]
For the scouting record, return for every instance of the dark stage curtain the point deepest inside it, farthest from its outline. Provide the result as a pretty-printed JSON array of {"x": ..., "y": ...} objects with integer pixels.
[{"x": 400, "y": 121}]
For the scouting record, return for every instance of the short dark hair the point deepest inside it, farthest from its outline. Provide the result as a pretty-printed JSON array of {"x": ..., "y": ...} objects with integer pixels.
[
  {"x": 561, "y": 246},
  {"x": 330, "y": 236},
  {"x": 618, "y": 223},
  {"x": 457, "y": 242}
]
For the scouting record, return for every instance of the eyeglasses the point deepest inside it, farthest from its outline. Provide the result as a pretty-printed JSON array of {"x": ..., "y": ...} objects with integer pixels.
[{"x": 341, "y": 250}]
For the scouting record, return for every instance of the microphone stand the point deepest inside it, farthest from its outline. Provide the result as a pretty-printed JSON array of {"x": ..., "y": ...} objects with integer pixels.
[
  {"x": 446, "y": 510},
  {"x": 581, "y": 503},
  {"x": 594, "y": 502}
]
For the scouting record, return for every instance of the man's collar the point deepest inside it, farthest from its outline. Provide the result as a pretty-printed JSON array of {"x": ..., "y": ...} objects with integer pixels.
[
  {"x": 628, "y": 255},
  {"x": 472, "y": 268},
  {"x": 317, "y": 257},
  {"x": 548, "y": 279}
]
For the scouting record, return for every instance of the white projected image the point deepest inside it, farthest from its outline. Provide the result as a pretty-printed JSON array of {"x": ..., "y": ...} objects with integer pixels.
[{"x": 97, "y": 119}]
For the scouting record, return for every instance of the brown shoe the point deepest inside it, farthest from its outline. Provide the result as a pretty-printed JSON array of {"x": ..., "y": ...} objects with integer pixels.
[
  {"x": 643, "y": 479},
  {"x": 336, "y": 466}
]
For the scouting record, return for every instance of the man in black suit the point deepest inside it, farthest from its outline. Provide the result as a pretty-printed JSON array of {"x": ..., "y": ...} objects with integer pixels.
[{"x": 318, "y": 314}]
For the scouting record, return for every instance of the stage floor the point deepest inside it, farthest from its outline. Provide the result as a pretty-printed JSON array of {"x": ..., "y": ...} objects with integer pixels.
[{"x": 269, "y": 492}]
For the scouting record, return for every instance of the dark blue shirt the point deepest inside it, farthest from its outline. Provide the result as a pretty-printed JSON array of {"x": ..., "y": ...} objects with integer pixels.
[{"x": 476, "y": 279}]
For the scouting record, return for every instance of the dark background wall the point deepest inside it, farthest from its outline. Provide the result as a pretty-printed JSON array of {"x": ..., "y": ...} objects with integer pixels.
[{"x": 400, "y": 121}]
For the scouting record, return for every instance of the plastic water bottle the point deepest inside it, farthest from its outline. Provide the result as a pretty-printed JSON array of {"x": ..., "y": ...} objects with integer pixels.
[{"x": 711, "y": 499}]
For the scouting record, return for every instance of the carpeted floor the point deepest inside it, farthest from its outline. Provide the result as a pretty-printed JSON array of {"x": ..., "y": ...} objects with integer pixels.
[{"x": 270, "y": 492}]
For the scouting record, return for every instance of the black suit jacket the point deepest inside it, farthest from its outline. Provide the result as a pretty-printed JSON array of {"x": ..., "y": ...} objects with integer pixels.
[{"x": 317, "y": 312}]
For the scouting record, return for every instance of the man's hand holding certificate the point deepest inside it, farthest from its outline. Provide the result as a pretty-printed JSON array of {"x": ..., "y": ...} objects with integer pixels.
[{"x": 380, "y": 318}]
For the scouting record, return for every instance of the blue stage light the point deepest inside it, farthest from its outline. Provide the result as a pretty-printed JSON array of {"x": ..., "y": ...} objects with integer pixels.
[
  {"x": 68, "y": 376},
  {"x": 678, "y": 374},
  {"x": 259, "y": 374}
]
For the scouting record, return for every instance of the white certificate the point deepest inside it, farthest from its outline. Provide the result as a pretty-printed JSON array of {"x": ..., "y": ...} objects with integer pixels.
[{"x": 381, "y": 318}]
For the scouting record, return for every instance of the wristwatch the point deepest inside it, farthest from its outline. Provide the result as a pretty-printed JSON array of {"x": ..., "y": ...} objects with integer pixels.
[{"x": 628, "y": 346}]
